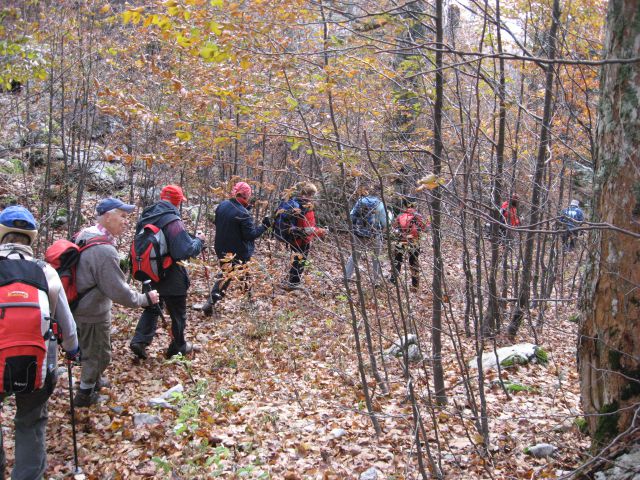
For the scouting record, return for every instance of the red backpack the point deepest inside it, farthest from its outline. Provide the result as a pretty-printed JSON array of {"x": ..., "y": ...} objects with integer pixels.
[
  {"x": 26, "y": 326},
  {"x": 64, "y": 255},
  {"x": 409, "y": 226},
  {"x": 150, "y": 254}
]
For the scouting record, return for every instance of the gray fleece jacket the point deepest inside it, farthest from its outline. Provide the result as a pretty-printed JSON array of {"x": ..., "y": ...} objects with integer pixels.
[{"x": 99, "y": 267}]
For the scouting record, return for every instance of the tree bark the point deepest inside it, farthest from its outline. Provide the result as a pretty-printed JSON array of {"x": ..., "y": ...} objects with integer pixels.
[{"x": 609, "y": 341}]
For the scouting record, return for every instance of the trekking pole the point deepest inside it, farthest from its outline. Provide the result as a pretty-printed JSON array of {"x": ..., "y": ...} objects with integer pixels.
[
  {"x": 77, "y": 470},
  {"x": 146, "y": 288}
]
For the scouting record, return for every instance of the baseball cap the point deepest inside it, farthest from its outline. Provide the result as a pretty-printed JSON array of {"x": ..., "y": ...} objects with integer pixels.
[
  {"x": 18, "y": 219},
  {"x": 108, "y": 204},
  {"x": 173, "y": 193}
]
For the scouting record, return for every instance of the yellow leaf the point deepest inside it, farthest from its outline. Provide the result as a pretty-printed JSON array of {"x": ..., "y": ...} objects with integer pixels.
[
  {"x": 216, "y": 3},
  {"x": 245, "y": 63},
  {"x": 184, "y": 135},
  {"x": 215, "y": 28},
  {"x": 170, "y": 3},
  {"x": 105, "y": 8}
]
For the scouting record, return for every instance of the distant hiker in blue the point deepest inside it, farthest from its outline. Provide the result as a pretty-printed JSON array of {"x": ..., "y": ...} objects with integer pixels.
[
  {"x": 369, "y": 219},
  {"x": 571, "y": 218}
]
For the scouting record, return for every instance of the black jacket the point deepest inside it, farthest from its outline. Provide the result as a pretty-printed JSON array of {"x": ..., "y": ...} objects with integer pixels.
[
  {"x": 181, "y": 246},
  {"x": 235, "y": 231}
]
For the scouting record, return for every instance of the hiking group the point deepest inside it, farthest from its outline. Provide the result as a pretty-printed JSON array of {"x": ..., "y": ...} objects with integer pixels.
[{"x": 69, "y": 298}]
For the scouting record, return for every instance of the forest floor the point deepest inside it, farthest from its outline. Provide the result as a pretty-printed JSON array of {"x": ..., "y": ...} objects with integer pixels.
[{"x": 274, "y": 390}]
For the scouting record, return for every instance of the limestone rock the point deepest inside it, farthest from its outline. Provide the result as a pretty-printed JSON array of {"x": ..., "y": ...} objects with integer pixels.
[
  {"x": 521, "y": 353},
  {"x": 372, "y": 474}
]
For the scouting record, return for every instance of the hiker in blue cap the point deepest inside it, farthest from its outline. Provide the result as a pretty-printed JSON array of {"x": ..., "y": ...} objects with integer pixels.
[
  {"x": 100, "y": 282},
  {"x": 18, "y": 230}
]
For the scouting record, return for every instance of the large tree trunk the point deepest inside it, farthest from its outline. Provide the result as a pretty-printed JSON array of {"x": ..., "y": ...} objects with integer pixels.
[{"x": 609, "y": 342}]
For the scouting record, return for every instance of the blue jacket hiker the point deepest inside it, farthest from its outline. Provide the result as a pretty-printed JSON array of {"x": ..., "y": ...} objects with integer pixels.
[
  {"x": 369, "y": 219},
  {"x": 235, "y": 240},
  {"x": 570, "y": 218},
  {"x": 174, "y": 285}
]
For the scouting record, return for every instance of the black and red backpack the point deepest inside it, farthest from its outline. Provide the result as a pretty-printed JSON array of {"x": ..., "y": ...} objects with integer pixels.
[
  {"x": 26, "y": 326},
  {"x": 150, "y": 256},
  {"x": 64, "y": 255}
]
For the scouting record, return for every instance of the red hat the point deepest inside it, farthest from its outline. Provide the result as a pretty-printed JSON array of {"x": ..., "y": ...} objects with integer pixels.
[
  {"x": 241, "y": 188},
  {"x": 173, "y": 194}
]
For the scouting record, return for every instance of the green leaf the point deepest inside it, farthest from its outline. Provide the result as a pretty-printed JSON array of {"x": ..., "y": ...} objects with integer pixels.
[
  {"x": 215, "y": 28},
  {"x": 184, "y": 135},
  {"x": 216, "y": 3},
  {"x": 293, "y": 103}
]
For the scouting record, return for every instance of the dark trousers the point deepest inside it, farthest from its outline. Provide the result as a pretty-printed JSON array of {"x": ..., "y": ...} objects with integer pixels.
[
  {"x": 414, "y": 263},
  {"x": 224, "y": 278},
  {"x": 148, "y": 323},
  {"x": 569, "y": 237},
  {"x": 298, "y": 262},
  {"x": 30, "y": 433}
]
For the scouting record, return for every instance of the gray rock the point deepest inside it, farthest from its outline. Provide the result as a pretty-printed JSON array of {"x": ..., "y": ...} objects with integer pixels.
[
  {"x": 627, "y": 467},
  {"x": 413, "y": 353},
  {"x": 163, "y": 400},
  {"x": 337, "y": 433},
  {"x": 372, "y": 474},
  {"x": 145, "y": 419},
  {"x": 521, "y": 353},
  {"x": 541, "y": 450},
  {"x": 105, "y": 176},
  {"x": 396, "y": 348},
  {"x": 60, "y": 221}
]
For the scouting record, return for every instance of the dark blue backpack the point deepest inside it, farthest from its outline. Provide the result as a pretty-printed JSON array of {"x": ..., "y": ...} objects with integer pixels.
[
  {"x": 286, "y": 219},
  {"x": 363, "y": 217}
]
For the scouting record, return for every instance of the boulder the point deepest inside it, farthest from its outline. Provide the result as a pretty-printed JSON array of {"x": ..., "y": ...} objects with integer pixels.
[
  {"x": 541, "y": 450},
  {"x": 106, "y": 176},
  {"x": 627, "y": 467},
  {"x": 410, "y": 343},
  {"x": 519, "y": 354}
]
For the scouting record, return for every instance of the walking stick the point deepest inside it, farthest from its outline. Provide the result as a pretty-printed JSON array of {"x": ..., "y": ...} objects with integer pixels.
[
  {"x": 77, "y": 470},
  {"x": 146, "y": 288}
]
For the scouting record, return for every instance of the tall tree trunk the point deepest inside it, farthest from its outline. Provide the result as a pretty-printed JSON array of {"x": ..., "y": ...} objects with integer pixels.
[
  {"x": 609, "y": 342},
  {"x": 436, "y": 203},
  {"x": 525, "y": 285}
]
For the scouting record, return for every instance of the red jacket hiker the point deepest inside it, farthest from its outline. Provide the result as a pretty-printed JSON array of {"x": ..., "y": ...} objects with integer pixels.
[
  {"x": 510, "y": 213},
  {"x": 307, "y": 225},
  {"x": 409, "y": 225}
]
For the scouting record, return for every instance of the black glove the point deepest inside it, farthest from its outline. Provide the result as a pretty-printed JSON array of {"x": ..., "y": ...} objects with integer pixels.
[
  {"x": 74, "y": 355},
  {"x": 267, "y": 222}
]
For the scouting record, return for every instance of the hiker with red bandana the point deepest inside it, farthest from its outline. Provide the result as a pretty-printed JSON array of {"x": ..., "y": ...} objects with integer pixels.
[
  {"x": 174, "y": 284},
  {"x": 236, "y": 233}
]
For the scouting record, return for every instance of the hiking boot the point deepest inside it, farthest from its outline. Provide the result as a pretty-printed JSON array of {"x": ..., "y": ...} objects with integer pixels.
[
  {"x": 186, "y": 350},
  {"x": 289, "y": 286},
  {"x": 85, "y": 398},
  {"x": 139, "y": 350},
  {"x": 207, "y": 308}
]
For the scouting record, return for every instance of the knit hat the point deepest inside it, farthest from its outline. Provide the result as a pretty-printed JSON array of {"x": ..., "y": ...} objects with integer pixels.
[
  {"x": 19, "y": 220},
  {"x": 575, "y": 203},
  {"x": 173, "y": 194},
  {"x": 241, "y": 188}
]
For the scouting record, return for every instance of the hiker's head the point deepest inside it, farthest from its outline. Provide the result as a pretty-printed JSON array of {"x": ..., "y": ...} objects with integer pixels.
[
  {"x": 307, "y": 190},
  {"x": 241, "y": 191},
  {"x": 575, "y": 203},
  {"x": 172, "y": 194},
  {"x": 514, "y": 200},
  {"x": 409, "y": 201},
  {"x": 17, "y": 225},
  {"x": 112, "y": 215}
]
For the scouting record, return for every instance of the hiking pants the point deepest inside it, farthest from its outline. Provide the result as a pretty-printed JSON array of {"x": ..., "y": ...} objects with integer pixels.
[
  {"x": 225, "y": 276},
  {"x": 95, "y": 345},
  {"x": 148, "y": 323},
  {"x": 30, "y": 433},
  {"x": 414, "y": 263},
  {"x": 298, "y": 262},
  {"x": 365, "y": 247}
]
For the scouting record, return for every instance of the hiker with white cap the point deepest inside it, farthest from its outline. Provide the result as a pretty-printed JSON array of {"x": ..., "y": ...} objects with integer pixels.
[{"x": 570, "y": 218}]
